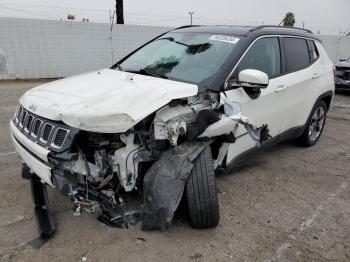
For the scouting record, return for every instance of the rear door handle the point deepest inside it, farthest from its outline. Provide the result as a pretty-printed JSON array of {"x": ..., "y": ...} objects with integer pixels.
[
  {"x": 281, "y": 88},
  {"x": 315, "y": 76}
]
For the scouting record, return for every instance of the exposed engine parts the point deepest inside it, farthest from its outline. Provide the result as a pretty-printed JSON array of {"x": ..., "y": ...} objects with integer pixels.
[{"x": 102, "y": 168}]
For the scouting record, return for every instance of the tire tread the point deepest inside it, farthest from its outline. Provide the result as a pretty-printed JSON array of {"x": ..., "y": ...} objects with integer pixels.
[{"x": 201, "y": 192}]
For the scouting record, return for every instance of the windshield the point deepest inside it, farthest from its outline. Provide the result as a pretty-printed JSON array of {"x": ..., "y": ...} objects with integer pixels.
[{"x": 187, "y": 57}]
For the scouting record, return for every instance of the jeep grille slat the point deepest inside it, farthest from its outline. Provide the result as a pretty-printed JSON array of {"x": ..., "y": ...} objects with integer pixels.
[
  {"x": 36, "y": 127},
  {"x": 60, "y": 137},
  {"x": 28, "y": 123},
  {"x": 43, "y": 131},
  {"x": 46, "y": 132}
]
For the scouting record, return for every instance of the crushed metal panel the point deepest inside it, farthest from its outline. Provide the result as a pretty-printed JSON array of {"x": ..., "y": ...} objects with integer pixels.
[{"x": 100, "y": 101}]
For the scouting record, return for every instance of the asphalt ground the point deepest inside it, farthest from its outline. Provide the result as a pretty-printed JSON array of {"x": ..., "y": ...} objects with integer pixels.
[{"x": 286, "y": 204}]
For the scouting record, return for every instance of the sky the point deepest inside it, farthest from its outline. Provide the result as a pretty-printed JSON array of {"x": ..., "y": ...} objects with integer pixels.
[{"x": 326, "y": 16}]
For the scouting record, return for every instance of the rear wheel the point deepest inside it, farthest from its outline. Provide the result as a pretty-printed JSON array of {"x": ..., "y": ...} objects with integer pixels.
[
  {"x": 201, "y": 192},
  {"x": 315, "y": 125}
]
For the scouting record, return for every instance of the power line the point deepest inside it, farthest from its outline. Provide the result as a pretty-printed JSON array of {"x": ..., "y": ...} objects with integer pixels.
[{"x": 58, "y": 13}]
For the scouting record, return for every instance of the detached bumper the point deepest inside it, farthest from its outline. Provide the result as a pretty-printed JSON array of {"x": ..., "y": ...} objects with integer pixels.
[{"x": 34, "y": 155}]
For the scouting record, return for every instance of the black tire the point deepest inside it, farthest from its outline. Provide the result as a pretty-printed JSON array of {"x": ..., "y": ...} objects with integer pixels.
[
  {"x": 306, "y": 139},
  {"x": 201, "y": 193}
]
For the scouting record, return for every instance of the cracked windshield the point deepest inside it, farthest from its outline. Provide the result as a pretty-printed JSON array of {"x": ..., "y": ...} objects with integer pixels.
[{"x": 187, "y": 57}]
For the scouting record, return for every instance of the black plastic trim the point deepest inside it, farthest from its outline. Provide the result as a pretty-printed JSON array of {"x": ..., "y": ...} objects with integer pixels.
[{"x": 289, "y": 134}]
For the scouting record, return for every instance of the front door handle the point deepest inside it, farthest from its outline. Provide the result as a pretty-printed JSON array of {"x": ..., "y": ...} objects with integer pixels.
[
  {"x": 315, "y": 76},
  {"x": 281, "y": 88}
]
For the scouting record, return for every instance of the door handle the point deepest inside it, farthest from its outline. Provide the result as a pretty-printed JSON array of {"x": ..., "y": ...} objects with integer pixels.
[
  {"x": 281, "y": 88},
  {"x": 315, "y": 76}
]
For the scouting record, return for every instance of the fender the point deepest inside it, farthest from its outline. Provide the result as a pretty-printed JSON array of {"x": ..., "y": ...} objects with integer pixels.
[{"x": 324, "y": 96}]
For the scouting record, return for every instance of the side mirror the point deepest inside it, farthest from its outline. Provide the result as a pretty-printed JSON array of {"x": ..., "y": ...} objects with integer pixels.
[{"x": 252, "y": 79}]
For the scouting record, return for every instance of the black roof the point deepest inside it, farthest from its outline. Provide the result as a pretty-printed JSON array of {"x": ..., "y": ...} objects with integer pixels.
[{"x": 251, "y": 31}]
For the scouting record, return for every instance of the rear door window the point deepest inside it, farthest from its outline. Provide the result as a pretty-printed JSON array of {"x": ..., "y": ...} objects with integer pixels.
[{"x": 296, "y": 54}]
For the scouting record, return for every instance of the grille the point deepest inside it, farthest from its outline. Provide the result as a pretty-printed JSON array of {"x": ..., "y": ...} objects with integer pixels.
[
  {"x": 22, "y": 117},
  {"x": 343, "y": 73},
  {"x": 28, "y": 123},
  {"x": 40, "y": 130},
  {"x": 36, "y": 127},
  {"x": 46, "y": 132},
  {"x": 60, "y": 137}
]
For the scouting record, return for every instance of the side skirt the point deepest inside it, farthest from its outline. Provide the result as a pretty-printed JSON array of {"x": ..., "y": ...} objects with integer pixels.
[{"x": 286, "y": 135}]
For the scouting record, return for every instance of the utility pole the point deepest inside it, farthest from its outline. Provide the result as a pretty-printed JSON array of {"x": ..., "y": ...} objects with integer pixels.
[
  {"x": 341, "y": 35},
  {"x": 119, "y": 9},
  {"x": 191, "y": 17},
  {"x": 303, "y": 25}
]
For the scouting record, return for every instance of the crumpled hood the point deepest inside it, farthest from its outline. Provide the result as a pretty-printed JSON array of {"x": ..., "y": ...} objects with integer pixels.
[{"x": 106, "y": 101}]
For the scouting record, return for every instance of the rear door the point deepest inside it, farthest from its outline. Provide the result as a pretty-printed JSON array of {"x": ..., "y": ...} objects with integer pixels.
[{"x": 302, "y": 73}]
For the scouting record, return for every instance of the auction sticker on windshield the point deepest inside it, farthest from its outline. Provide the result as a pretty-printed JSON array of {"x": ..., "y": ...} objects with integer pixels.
[{"x": 225, "y": 38}]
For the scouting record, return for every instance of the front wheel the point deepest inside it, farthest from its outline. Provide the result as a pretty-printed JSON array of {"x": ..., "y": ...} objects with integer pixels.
[
  {"x": 201, "y": 192},
  {"x": 315, "y": 125}
]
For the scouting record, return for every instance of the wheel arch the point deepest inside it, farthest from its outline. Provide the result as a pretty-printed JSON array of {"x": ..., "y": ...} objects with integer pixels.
[{"x": 327, "y": 98}]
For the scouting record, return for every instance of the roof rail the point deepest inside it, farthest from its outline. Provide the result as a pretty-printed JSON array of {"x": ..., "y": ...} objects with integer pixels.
[
  {"x": 278, "y": 26},
  {"x": 185, "y": 26}
]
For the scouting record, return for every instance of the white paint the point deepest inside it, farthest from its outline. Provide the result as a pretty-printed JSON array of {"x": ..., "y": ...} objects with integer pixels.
[
  {"x": 309, "y": 220},
  {"x": 342, "y": 105},
  {"x": 285, "y": 103},
  {"x": 225, "y": 38},
  {"x": 252, "y": 76},
  {"x": 126, "y": 162},
  {"x": 106, "y": 101},
  {"x": 281, "y": 249},
  {"x": 38, "y": 150},
  {"x": 8, "y": 153},
  {"x": 40, "y": 169}
]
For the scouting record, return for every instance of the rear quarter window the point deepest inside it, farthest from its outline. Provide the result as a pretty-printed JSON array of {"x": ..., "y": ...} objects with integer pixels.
[
  {"x": 296, "y": 54},
  {"x": 313, "y": 52}
]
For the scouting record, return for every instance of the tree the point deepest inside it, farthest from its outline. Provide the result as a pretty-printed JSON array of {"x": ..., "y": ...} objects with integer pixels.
[
  {"x": 289, "y": 19},
  {"x": 119, "y": 11}
]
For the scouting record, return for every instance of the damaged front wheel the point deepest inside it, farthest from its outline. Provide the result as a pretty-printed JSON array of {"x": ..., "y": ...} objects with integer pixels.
[{"x": 201, "y": 192}]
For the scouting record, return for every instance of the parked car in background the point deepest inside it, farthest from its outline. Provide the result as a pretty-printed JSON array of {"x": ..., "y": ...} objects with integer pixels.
[{"x": 342, "y": 75}]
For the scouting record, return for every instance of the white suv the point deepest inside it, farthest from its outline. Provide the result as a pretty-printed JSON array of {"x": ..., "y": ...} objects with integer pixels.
[{"x": 162, "y": 119}]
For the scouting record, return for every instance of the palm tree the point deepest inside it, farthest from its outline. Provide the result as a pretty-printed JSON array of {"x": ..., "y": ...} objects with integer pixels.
[
  {"x": 289, "y": 19},
  {"x": 119, "y": 11}
]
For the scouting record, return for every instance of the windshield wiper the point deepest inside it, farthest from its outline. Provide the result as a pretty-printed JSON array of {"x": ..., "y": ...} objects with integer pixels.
[
  {"x": 145, "y": 71},
  {"x": 119, "y": 67}
]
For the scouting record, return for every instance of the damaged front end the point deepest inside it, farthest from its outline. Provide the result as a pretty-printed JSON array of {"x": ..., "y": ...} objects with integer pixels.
[{"x": 108, "y": 174}]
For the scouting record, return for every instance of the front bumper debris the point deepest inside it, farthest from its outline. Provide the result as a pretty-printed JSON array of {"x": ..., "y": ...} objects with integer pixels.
[{"x": 42, "y": 211}]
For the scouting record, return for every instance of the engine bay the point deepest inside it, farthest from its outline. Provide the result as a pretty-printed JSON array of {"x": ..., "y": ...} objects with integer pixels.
[{"x": 100, "y": 170}]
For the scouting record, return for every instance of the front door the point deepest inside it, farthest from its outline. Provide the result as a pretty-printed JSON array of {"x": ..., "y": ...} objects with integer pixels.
[{"x": 263, "y": 55}]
